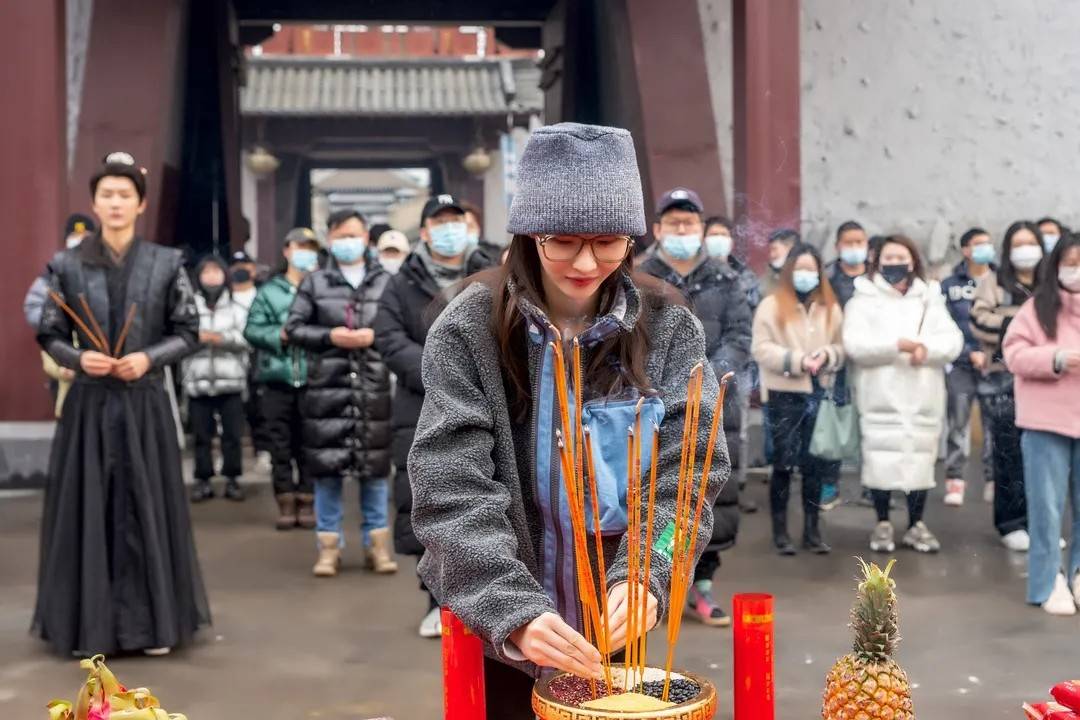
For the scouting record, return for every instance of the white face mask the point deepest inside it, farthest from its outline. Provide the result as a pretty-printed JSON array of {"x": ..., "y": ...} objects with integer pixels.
[
  {"x": 1025, "y": 257},
  {"x": 1069, "y": 277},
  {"x": 718, "y": 245},
  {"x": 391, "y": 265}
]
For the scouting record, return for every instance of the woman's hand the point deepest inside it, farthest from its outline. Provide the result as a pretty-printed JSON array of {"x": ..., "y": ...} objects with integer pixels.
[
  {"x": 813, "y": 362},
  {"x": 617, "y": 615},
  {"x": 96, "y": 364},
  {"x": 905, "y": 345},
  {"x": 549, "y": 642},
  {"x": 918, "y": 355}
]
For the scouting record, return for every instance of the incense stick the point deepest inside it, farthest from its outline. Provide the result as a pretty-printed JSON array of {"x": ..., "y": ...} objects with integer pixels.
[
  {"x": 78, "y": 321},
  {"x": 93, "y": 320},
  {"x": 124, "y": 331},
  {"x": 605, "y": 649},
  {"x": 651, "y": 504}
]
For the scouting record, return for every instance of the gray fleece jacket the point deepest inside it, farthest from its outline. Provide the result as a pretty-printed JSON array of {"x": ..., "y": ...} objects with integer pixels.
[{"x": 476, "y": 495}]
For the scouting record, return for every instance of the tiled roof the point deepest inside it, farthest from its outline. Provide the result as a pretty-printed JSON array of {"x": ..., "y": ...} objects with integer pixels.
[{"x": 305, "y": 86}]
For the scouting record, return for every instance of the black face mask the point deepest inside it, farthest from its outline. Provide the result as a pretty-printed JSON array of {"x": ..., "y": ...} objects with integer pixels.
[
  {"x": 212, "y": 293},
  {"x": 895, "y": 274},
  {"x": 241, "y": 275}
]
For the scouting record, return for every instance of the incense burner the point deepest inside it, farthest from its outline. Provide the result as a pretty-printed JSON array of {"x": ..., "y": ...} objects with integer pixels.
[{"x": 703, "y": 707}]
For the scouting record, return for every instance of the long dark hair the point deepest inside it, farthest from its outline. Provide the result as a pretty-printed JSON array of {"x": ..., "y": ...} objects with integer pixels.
[
  {"x": 617, "y": 363},
  {"x": 787, "y": 301},
  {"x": 1007, "y": 271},
  {"x": 1047, "y": 292}
]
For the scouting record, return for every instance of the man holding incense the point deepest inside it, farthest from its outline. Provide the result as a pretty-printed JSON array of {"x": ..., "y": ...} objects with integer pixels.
[
  {"x": 489, "y": 463},
  {"x": 118, "y": 570},
  {"x": 717, "y": 296}
]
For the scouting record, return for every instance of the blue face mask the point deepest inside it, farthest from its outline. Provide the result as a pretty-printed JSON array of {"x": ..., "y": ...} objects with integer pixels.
[
  {"x": 348, "y": 250},
  {"x": 853, "y": 255},
  {"x": 983, "y": 254},
  {"x": 718, "y": 245},
  {"x": 474, "y": 240},
  {"x": 681, "y": 247},
  {"x": 303, "y": 259},
  {"x": 449, "y": 239},
  {"x": 805, "y": 281},
  {"x": 1050, "y": 240}
]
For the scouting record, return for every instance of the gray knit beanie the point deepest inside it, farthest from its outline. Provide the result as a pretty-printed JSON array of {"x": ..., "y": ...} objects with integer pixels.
[{"x": 576, "y": 178}]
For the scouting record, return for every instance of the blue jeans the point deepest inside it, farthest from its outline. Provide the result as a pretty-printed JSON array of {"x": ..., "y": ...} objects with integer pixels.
[
  {"x": 374, "y": 506},
  {"x": 1051, "y": 475}
]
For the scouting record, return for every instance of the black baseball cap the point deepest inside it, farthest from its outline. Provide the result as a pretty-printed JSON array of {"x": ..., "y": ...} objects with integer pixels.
[
  {"x": 679, "y": 196},
  {"x": 437, "y": 204},
  {"x": 240, "y": 257},
  {"x": 78, "y": 223}
]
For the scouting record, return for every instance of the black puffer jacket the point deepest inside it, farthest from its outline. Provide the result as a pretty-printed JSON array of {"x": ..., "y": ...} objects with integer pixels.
[
  {"x": 719, "y": 299},
  {"x": 409, "y": 306},
  {"x": 346, "y": 404}
]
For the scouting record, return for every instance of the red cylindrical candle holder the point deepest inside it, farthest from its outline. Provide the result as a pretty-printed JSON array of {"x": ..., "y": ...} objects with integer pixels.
[
  {"x": 755, "y": 696},
  {"x": 463, "y": 671}
]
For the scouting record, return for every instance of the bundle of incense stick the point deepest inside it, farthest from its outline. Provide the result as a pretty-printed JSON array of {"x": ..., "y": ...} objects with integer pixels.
[
  {"x": 685, "y": 535},
  {"x": 96, "y": 334}
]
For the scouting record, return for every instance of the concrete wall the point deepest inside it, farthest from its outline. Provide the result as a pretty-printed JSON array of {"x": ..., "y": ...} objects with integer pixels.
[
  {"x": 929, "y": 117},
  {"x": 925, "y": 117}
]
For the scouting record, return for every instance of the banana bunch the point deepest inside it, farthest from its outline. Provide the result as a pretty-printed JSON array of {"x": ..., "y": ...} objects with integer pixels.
[{"x": 102, "y": 697}]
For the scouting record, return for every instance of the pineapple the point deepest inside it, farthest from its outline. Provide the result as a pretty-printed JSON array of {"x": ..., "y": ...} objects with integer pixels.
[{"x": 867, "y": 684}]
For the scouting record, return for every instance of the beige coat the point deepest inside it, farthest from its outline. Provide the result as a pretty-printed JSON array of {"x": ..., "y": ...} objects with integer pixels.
[{"x": 779, "y": 350}]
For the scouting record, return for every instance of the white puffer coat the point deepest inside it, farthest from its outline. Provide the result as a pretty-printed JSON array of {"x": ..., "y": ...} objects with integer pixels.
[
  {"x": 219, "y": 369},
  {"x": 901, "y": 406}
]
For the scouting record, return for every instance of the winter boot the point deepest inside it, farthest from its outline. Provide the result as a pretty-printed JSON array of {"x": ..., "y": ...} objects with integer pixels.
[
  {"x": 781, "y": 539},
  {"x": 329, "y": 555},
  {"x": 286, "y": 503},
  {"x": 305, "y": 510},
  {"x": 811, "y": 539},
  {"x": 379, "y": 556}
]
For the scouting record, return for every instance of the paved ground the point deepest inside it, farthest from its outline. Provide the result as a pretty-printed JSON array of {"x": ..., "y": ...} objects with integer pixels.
[{"x": 286, "y": 646}]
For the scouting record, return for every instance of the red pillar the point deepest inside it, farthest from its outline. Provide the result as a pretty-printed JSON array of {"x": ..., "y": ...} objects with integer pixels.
[
  {"x": 32, "y": 145},
  {"x": 675, "y": 128},
  {"x": 133, "y": 100},
  {"x": 767, "y": 165}
]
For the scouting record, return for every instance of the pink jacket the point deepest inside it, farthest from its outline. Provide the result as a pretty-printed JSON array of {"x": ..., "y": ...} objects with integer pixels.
[{"x": 1045, "y": 400}]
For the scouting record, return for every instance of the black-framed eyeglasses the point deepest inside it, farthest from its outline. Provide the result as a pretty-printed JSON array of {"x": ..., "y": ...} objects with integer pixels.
[{"x": 604, "y": 248}]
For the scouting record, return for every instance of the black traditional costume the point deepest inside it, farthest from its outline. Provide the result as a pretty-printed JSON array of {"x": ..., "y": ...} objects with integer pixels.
[{"x": 118, "y": 569}]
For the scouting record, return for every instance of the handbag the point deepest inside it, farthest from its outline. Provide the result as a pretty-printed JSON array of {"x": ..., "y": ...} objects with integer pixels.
[{"x": 836, "y": 430}]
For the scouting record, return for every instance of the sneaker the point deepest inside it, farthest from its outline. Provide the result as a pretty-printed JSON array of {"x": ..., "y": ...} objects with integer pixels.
[
  {"x": 703, "y": 607},
  {"x": 882, "y": 539},
  {"x": 830, "y": 496},
  {"x": 233, "y": 491},
  {"x": 202, "y": 490},
  {"x": 1061, "y": 601},
  {"x": 954, "y": 492},
  {"x": 988, "y": 492},
  {"x": 1017, "y": 540},
  {"x": 157, "y": 652},
  {"x": 920, "y": 539},
  {"x": 431, "y": 625},
  {"x": 1076, "y": 588},
  {"x": 263, "y": 464}
]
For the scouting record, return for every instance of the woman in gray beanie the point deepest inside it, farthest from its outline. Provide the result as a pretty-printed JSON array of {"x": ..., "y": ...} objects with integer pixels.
[{"x": 488, "y": 497}]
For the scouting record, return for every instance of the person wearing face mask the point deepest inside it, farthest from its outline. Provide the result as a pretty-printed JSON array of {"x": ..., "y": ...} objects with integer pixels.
[
  {"x": 713, "y": 291},
  {"x": 720, "y": 245},
  {"x": 962, "y": 376},
  {"x": 393, "y": 248},
  {"x": 430, "y": 277},
  {"x": 281, "y": 371},
  {"x": 1050, "y": 231},
  {"x": 242, "y": 289},
  {"x": 214, "y": 380},
  {"x": 1042, "y": 348},
  {"x": 899, "y": 337},
  {"x": 797, "y": 348},
  {"x": 998, "y": 297},
  {"x": 347, "y": 400},
  {"x": 780, "y": 243},
  {"x": 852, "y": 247}
]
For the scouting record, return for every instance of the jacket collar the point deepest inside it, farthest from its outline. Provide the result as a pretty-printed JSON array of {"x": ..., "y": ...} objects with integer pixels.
[
  {"x": 621, "y": 316},
  {"x": 960, "y": 271},
  {"x": 336, "y": 277},
  {"x": 877, "y": 286},
  {"x": 93, "y": 250}
]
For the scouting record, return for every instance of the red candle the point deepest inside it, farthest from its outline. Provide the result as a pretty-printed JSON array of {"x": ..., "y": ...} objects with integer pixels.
[
  {"x": 463, "y": 671},
  {"x": 755, "y": 696}
]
